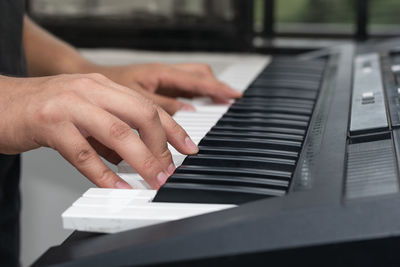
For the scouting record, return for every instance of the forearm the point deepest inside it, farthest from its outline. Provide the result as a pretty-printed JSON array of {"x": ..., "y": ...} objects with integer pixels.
[{"x": 48, "y": 55}]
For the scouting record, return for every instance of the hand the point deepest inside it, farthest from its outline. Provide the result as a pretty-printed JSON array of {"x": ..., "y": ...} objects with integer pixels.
[
  {"x": 84, "y": 116},
  {"x": 184, "y": 80}
]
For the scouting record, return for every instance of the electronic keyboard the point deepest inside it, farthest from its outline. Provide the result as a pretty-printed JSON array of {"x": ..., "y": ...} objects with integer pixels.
[{"x": 303, "y": 170}]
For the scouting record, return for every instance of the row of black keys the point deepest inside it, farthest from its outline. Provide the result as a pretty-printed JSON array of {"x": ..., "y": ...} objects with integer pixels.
[{"x": 252, "y": 151}]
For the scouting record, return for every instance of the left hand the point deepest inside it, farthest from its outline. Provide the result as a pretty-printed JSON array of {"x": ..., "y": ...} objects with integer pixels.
[{"x": 175, "y": 80}]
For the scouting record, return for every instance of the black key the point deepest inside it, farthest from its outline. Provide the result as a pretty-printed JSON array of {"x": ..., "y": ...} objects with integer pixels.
[
  {"x": 258, "y": 135},
  {"x": 292, "y": 69},
  {"x": 239, "y": 114},
  {"x": 255, "y": 152},
  {"x": 252, "y": 143},
  {"x": 218, "y": 194},
  {"x": 229, "y": 180},
  {"x": 296, "y": 67},
  {"x": 270, "y": 83},
  {"x": 281, "y": 101},
  {"x": 240, "y": 162},
  {"x": 315, "y": 77},
  {"x": 272, "y": 104},
  {"x": 278, "y": 129},
  {"x": 280, "y": 92},
  {"x": 262, "y": 122},
  {"x": 271, "y": 109},
  {"x": 243, "y": 172}
]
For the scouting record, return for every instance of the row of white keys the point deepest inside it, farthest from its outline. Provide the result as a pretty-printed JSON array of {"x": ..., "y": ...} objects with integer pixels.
[
  {"x": 111, "y": 210},
  {"x": 240, "y": 75}
]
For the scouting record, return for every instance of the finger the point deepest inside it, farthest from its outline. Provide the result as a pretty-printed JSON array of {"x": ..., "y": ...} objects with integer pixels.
[
  {"x": 177, "y": 136},
  {"x": 174, "y": 78},
  {"x": 176, "y": 92},
  {"x": 118, "y": 136},
  {"x": 170, "y": 105},
  {"x": 167, "y": 103},
  {"x": 197, "y": 68},
  {"x": 104, "y": 151},
  {"x": 175, "y": 133},
  {"x": 218, "y": 100},
  {"x": 139, "y": 113},
  {"x": 75, "y": 149}
]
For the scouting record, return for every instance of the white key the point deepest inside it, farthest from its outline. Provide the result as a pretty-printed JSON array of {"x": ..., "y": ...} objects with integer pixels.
[
  {"x": 240, "y": 75},
  {"x": 135, "y": 180},
  {"x": 120, "y": 193}
]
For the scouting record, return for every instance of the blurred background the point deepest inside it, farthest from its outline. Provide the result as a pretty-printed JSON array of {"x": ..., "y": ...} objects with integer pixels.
[
  {"x": 211, "y": 24},
  {"x": 127, "y": 27}
]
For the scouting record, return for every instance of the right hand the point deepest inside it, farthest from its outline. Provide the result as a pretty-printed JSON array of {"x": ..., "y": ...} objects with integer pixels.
[{"x": 84, "y": 116}]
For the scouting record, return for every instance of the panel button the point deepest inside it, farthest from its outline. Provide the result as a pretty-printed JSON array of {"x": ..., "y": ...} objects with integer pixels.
[
  {"x": 368, "y": 98},
  {"x": 396, "y": 68},
  {"x": 368, "y": 109}
]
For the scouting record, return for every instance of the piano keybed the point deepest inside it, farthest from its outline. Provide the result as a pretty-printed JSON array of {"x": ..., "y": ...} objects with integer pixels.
[
  {"x": 252, "y": 151},
  {"x": 247, "y": 151}
]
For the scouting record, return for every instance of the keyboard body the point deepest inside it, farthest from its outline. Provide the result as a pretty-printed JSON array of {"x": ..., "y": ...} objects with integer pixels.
[{"x": 341, "y": 202}]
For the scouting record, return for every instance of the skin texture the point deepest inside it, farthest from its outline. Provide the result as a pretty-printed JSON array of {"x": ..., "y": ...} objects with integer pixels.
[{"x": 85, "y": 111}]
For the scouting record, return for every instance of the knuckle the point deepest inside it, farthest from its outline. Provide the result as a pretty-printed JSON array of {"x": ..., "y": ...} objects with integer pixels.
[
  {"x": 68, "y": 96},
  {"x": 83, "y": 156},
  {"x": 149, "y": 162},
  {"x": 62, "y": 77},
  {"x": 147, "y": 102},
  {"x": 120, "y": 131},
  {"x": 160, "y": 110},
  {"x": 47, "y": 113},
  {"x": 52, "y": 111},
  {"x": 107, "y": 177},
  {"x": 83, "y": 82},
  {"x": 97, "y": 76},
  {"x": 166, "y": 154},
  {"x": 151, "y": 113}
]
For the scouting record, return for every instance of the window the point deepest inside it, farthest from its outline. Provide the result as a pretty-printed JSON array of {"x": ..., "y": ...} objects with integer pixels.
[
  {"x": 143, "y": 23},
  {"x": 315, "y": 16},
  {"x": 384, "y": 17},
  {"x": 212, "y": 24}
]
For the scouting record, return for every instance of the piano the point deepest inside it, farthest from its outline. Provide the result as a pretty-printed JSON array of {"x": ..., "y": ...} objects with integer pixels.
[{"x": 303, "y": 170}]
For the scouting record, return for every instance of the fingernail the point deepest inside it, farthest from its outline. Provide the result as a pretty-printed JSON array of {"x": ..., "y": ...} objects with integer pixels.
[
  {"x": 191, "y": 145},
  {"x": 162, "y": 178},
  {"x": 186, "y": 107},
  {"x": 171, "y": 168},
  {"x": 122, "y": 185}
]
